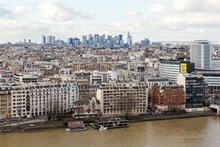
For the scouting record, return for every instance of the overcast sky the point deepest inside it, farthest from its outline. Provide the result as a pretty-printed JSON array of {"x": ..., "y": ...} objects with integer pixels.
[{"x": 158, "y": 20}]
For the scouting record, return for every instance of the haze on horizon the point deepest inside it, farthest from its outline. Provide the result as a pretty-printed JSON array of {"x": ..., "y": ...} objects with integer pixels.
[{"x": 158, "y": 20}]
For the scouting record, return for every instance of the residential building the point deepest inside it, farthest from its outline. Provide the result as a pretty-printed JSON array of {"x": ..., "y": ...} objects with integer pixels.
[
  {"x": 6, "y": 76},
  {"x": 53, "y": 97},
  {"x": 89, "y": 66},
  {"x": 167, "y": 98},
  {"x": 123, "y": 98},
  {"x": 20, "y": 100},
  {"x": 25, "y": 78},
  {"x": 5, "y": 101}
]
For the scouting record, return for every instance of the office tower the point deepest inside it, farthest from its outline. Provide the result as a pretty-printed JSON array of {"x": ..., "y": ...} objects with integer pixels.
[
  {"x": 194, "y": 87},
  {"x": 53, "y": 40},
  {"x": 43, "y": 39},
  {"x": 116, "y": 40},
  {"x": 96, "y": 39},
  {"x": 170, "y": 69},
  {"x": 90, "y": 41},
  {"x": 29, "y": 40},
  {"x": 24, "y": 40},
  {"x": 129, "y": 39},
  {"x": 200, "y": 53},
  {"x": 84, "y": 40},
  {"x": 69, "y": 40},
  {"x": 145, "y": 42},
  {"x": 103, "y": 37},
  {"x": 122, "y": 43},
  {"x": 76, "y": 42},
  {"x": 120, "y": 37},
  {"x": 49, "y": 39},
  {"x": 101, "y": 41}
]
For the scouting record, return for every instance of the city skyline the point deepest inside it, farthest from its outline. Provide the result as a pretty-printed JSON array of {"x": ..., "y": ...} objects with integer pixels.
[{"x": 170, "y": 20}]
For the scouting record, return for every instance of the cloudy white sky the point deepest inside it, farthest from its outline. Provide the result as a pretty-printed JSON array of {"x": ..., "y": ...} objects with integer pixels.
[{"x": 158, "y": 20}]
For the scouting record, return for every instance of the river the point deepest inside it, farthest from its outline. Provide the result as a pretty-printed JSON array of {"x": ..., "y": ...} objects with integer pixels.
[{"x": 191, "y": 132}]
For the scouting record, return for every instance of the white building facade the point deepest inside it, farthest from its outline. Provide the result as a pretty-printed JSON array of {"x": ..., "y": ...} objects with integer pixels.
[
  {"x": 52, "y": 97},
  {"x": 200, "y": 54}
]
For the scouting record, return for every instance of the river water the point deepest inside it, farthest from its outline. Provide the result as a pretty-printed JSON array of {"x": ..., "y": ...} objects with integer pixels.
[{"x": 191, "y": 132}]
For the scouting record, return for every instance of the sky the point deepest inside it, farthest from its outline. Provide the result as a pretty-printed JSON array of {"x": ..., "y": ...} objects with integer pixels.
[{"x": 158, "y": 20}]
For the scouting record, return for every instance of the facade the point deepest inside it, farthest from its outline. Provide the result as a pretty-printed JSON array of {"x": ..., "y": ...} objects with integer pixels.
[
  {"x": 123, "y": 98},
  {"x": 87, "y": 90},
  {"x": 25, "y": 78},
  {"x": 160, "y": 81},
  {"x": 52, "y": 97},
  {"x": 171, "y": 69},
  {"x": 49, "y": 39},
  {"x": 86, "y": 106},
  {"x": 96, "y": 77},
  {"x": 90, "y": 66},
  {"x": 43, "y": 41},
  {"x": 194, "y": 87},
  {"x": 5, "y": 101},
  {"x": 212, "y": 79},
  {"x": 31, "y": 68},
  {"x": 20, "y": 100},
  {"x": 216, "y": 64},
  {"x": 139, "y": 73},
  {"x": 6, "y": 76},
  {"x": 200, "y": 53},
  {"x": 129, "y": 39},
  {"x": 66, "y": 72},
  {"x": 167, "y": 98}
]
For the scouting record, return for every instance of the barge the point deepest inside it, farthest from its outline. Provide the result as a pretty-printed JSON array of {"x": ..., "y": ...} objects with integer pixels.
[
  {"x": 75, "y": 126},
  {"x": 110, "y": 124}
]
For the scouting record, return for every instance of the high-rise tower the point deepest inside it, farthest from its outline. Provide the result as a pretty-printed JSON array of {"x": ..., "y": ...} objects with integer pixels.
[{"x": 200, "y": 53}]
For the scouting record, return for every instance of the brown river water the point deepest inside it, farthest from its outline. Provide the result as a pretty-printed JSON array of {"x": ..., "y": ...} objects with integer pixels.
[{"x": 190, "y": 132}]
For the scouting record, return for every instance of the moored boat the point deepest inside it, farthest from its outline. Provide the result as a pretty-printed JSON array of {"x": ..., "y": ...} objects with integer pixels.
[
  {"x": 102, "y": 128},
  {"x": 75, "y": 126},
  {"x": 110, "y": 124}
]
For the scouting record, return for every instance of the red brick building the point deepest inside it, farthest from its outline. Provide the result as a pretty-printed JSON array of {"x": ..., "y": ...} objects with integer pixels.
[{"x": 167, "y": 98}]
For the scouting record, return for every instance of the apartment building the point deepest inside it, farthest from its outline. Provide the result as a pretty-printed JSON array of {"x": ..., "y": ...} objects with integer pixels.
[
  {"x": 5, "y": 101},
  {"x": 167, "y": 98},
  {"x": 52, "y": 97},
  {"x": 123, "y": 98},
  {"x": 89, "y": 66},
  {"x": 20, "y": 100},
  {"x": 25, "y": 78}
]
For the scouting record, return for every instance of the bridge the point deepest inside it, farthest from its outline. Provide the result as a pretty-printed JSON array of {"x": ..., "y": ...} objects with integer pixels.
[{"x": 216, "y": 107}]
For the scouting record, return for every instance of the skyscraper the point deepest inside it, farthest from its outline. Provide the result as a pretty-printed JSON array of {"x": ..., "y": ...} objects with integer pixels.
[
  {"x": 69, "y": 40},
  {"x": 84, "y": 40},
  {"x": 200, "y": 53},
  {"x": 90, "y": 40},
  {"x": 49, "y": 39},
  {"x": 53, "y": 40},
  {"x": 120, "y": 37},
  {"x": 129, "y": 39},
  {"x": 43, "y": 39}
]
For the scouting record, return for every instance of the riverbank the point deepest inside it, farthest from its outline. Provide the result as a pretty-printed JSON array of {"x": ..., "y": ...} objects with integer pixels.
[
  {"x": 61, "y": 124},
  {"x": 167, "y": 117}
]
